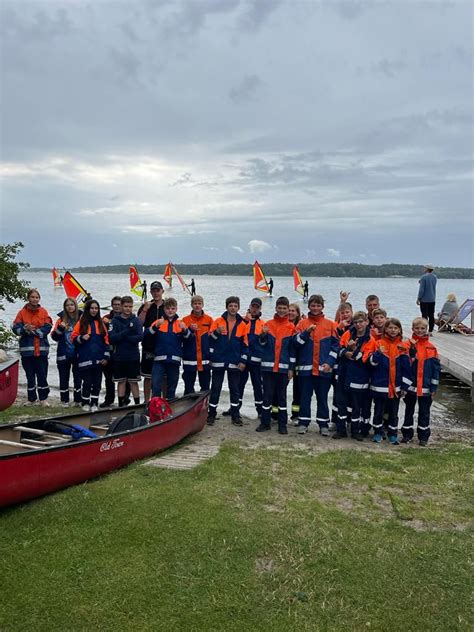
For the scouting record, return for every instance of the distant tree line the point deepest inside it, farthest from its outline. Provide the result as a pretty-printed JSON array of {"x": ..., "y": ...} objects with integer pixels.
[{"x": 360, "y": 270}]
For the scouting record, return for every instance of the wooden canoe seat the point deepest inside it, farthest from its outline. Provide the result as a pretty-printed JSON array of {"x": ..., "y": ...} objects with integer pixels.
[
  {"x": 99, "y": 429},
  {"x": 14, "y": 446}
]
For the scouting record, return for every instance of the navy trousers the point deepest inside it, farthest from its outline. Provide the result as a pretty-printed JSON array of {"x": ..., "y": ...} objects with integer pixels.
[
  {"x": 189, "y": 379},
  {"x": 233, "y": 381},
  {"x": 423, "y": 428},
  {"x": 160, "y": 371},
  {"x": 274, "y": 389},
  {"x": 256, "y": 378},
  {"x": 320, "y": 386},
  {"x": 360, "y": 413},
  {"x": 64, "y": 369},
  {"x": 91, "y": 383},
  {"x": 36, "y": 370},
  {"x": 390, "y": 407}
]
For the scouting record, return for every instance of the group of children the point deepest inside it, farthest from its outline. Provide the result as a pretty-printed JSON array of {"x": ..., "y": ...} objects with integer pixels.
[{"x": 361, "y": 355}]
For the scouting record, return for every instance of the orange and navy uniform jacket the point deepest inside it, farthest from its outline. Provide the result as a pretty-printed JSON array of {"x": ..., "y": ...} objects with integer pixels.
[
  {"x": 391, "y": 368},
  {"x": 278, "y": 352},
  {"x": 91, "y": 352},
  {"x": 196, "y": 347},
  {"x": 353, "y": 373},
  {"x": 66, "y": 349},
  {"x": 36, "y": 343},
  {"x": 375, "y": 333},
  {"x": 317, "y": 347},
  {"x": 254, "y": 329},
  {"x": 169, "y": 340},
  {"x": 227, "y": 352},
  {"x": 425, "y": 365}
]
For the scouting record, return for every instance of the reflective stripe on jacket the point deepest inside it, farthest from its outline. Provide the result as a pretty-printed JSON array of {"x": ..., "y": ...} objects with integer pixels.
[
  {"x": 228, "y": 351},
  {"x": 91, "y": 352},
  {"x": 169, "y": 340},
  {"x": 278, "y": 353},
  {"x": 317, "y": 347},
  {"x": 35, "y": 343},
  {"x": 391, "y": 368},
  {"x": 196, "y": 347},
  {"x": 425, "y": 366}
]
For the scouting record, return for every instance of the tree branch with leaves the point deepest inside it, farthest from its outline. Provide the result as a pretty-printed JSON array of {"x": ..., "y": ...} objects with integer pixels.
[{"x": 12, "y": 288}]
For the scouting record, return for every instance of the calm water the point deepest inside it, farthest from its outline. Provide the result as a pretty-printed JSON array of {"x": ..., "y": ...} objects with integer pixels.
[{"x": 397, "y": 296}]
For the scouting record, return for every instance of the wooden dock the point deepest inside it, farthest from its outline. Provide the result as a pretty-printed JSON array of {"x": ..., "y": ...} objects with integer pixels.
[{"x": 456, "y": 353}]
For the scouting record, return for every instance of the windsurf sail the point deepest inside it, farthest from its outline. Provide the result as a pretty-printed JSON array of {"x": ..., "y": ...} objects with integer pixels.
[
  {"x": 298, "y": 281},
  {"x": 181, "y": 280},
  {"x": 136, "y": 285},
  {"x": 259, "y": 281},
  {"x": 56, "y": 278},
  {"x": 73, "y": 288},
  {"x": 168, "y": 274}
]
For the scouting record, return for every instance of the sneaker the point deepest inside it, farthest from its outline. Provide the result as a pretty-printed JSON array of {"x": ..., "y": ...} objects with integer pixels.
[
  {"x": 94, "y": 409},
  {"x": 339, "y": 435},
  {"x": 332, "y": 425},
  {"x": 422, "y": 443},
  {"x": 86, "y": 408},
  {"x": 227, "y": 413},
  {"x": 44, "y": 403},
  {"x": 210, "y": 420},
  {"x": 377, "y": 438},
  {"x": 393, "y": 440},
  {"x": 28, "y": 403},
  {"x": 105, "y": 404},
  {"x": 283, "y": 430},
  {"x": 262, "y": 428},
  {"x": 358, "y": 437},
  {"x": 406, "y": 440},
  {"x": 302, "y": 429},
  {"x": 65, "y": 404},
  {"x": 294, "y": 417},
  {"x": 324, "y": 432},
  {"x": 237, "y": 421}
]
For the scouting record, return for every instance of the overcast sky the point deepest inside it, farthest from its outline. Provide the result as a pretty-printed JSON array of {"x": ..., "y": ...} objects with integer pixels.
[{"x": 229, "y": 130}]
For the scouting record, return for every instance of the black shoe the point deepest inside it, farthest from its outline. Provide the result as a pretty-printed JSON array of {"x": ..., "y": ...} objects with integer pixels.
[
  {"x": 339, "y": 435},
  {"x": 283, "y": 430},
  {"x": 359, "y": 436},
  {"x": 105, "y": 404},
  {"x": 227, "y": 413},
  {"x": 210, "y": 420},
  {"x": 406, "y": 440},
  {"x": 127, "y": 402},
  {"x": 262, "y": 428},
  {"x": 237, "y": 421}
]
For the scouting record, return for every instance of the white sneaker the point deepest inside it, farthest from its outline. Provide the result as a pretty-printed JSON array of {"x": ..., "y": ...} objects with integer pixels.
[
  {"x": 44, "y": 403},
  {"x": 65, "y": 404},
  {"x": 94, "y": 409},
  {"x": 324, "y": 432},
  {"x": 86, "y": 408},
  {"x": 28, "y": 403},
  {"x": 302, "y": 430}
]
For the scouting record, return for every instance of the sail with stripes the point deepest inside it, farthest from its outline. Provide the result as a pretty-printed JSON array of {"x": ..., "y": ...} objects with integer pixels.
[
  {"x": 259, "y": 280},
  {"x": 73, "y": 288},
  {"x": 180, "y": 279},
  {"x": 298, "y": 281},
  {"x": 56, "y": 278},
  {"x": 168, "y": 274},
  {"x": 136, "y": 285}
]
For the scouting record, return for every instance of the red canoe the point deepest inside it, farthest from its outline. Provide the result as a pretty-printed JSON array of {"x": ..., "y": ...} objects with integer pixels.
[
  {"x": 35, "y": 461},
  {"x": 8, "y": 383}
]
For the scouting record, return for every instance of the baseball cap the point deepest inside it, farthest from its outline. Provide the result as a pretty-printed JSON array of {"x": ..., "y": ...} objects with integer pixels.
[
  {"x": 156, "y": 285},
  {"x": 256, "y": 301}
]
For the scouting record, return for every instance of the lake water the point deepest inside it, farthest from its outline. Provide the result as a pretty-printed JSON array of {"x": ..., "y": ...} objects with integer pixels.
[{"x": 397, "y": 296}]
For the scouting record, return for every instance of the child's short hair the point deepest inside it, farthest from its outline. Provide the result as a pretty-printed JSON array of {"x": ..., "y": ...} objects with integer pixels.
[
  {"x": 360, "y": 316},
  {"x": 115, "y": 299},
  {"x": 33, "y": 290},
  {"x": 420, "y": 321},
  {"x": 282, "y": 300},
  {"x": 372, "y": 297},
  {"x": 393, "y": 321},
  {"x": 316, "y": 298},
  {"x": 170, "y": 302},
  {"x": 197, "y": 297},
  {"x": 126, "y": 299},
  {"x": 232, "y": 299},
  {"x": 343, "y": 306},
  {"x": 379, "y": 312}
]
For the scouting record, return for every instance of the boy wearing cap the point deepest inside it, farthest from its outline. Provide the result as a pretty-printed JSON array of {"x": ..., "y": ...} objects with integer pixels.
[
  {"x": 278, "y": 361},
  {"x": 148, "y": 313},
  {"x": 228, "y": 352},
  {"x": 196, "y": 348}
]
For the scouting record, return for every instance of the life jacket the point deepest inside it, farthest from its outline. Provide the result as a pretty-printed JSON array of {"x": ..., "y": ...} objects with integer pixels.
[
  {"x": 125, "y": 334},
  {"x": 353, "y": 373},
  {"x": 254, "y": 329},
  {"x": 391, "y": 368},
  {"x": 169, "y": 340},
  {"x": 425, "y": 366},
  {"x": 35, "y": 344},
  {"x": 66, "y": 349},
  {"x": 278, "y": 354},
  {"x": 318, "y": 347},
  {"x": 196, "y": 347},
  {"x": 226, "y": 352},
  {"x": 91, "y": 352}
]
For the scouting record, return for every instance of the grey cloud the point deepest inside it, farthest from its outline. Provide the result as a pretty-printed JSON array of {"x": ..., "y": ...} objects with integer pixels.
[
  {"x": 256, "y": 13},
  {"x": 389, "y": 68},
  {"x": 246, "y": 90}
]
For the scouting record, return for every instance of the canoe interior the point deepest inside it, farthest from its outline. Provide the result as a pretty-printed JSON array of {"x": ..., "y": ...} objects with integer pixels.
[{"x": 30, "y": 436}]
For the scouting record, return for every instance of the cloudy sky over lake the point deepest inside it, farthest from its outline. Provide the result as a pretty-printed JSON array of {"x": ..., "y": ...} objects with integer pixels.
[{"x": 229, "y": 130}]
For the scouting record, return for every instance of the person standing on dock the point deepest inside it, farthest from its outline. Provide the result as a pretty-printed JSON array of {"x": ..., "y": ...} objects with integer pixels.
[{"x": 427, "y": 295}]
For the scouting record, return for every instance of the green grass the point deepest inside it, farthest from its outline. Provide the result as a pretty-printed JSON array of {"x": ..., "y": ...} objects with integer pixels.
[
  {"x": 17, "y": 412},
  {"x": 263, "y": 539}
]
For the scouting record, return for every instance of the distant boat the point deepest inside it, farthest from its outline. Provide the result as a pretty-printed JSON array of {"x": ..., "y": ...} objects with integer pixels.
[
  {"x": 168, "y": 275},
  {"x": 74, "y": 289},
  {"x": 57, "y": 278},
  {"x": 298, "y": 281},
  {"x": 260, "y": 282},
  {"x": 137, "y": 287}
]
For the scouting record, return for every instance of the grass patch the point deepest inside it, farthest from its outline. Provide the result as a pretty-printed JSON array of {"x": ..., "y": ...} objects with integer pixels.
[
  {"x": 18, "y": 412},
  {"x": 251, "y": 540}
]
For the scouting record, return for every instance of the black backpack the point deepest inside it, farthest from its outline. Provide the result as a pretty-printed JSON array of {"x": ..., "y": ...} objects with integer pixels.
[{"x": 130, "y": 421}]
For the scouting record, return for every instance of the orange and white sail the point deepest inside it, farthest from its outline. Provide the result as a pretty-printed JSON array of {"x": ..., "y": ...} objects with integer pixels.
[
  {"x": 73, "y": 288},
  {"x": 168, "y": 274},
  {"x": 136, "y": 285},
  {"x": 180, "y": 279},
  {"x": 56, "y": 278},
  {"x": 259, "y": 280},
  {"x": 298, "y": 281}
]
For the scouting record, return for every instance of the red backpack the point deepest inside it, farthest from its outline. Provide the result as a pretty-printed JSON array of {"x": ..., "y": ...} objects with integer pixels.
[{"x": 159, "y": 409}]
